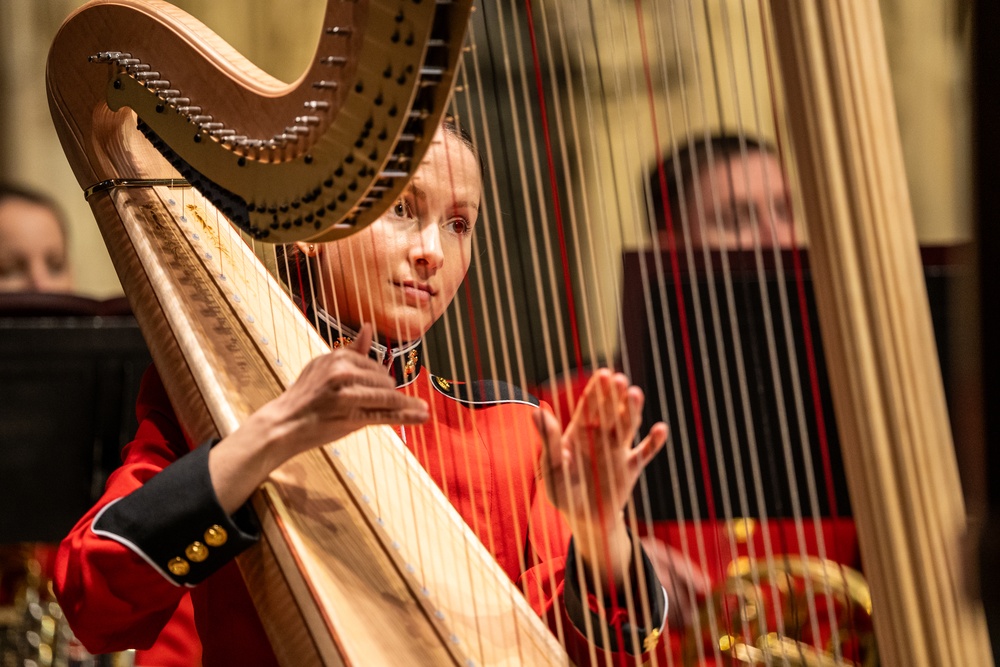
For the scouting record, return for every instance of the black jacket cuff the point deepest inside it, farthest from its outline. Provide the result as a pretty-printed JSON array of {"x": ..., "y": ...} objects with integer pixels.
[
  {"x": 577, "y": 608},
  {"x": 175, "y": 523}
]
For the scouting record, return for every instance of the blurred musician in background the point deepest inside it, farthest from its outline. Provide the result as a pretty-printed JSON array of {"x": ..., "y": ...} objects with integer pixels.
[
  {"x": 33, "y": 258},
  {"x": 33, "y": 243},
  {"x": 726, "y": 192},
  {"x": 726, "y": 196},
  {"x": 34, "y": 262}
]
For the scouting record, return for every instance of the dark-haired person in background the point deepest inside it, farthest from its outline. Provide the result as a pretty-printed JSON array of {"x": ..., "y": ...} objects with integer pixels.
[
  {"x": 729, "y": 191},
  {"x": 728, "y": 196}
]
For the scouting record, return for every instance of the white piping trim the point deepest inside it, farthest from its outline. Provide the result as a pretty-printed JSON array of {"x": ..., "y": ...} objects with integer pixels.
[
  {"x": 121, "y": 540},
  {"x": 477, "y": 403},
  {"x": 666, "y": 608}
]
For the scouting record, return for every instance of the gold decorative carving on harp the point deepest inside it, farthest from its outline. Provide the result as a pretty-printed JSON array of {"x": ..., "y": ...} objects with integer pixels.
[{"x": 323, "y": 157}]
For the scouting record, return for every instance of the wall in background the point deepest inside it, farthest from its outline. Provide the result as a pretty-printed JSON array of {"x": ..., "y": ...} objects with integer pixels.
[{"x": 927, "y": 41}]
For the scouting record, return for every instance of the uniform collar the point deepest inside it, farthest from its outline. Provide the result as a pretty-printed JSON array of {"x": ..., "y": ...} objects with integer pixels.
[{"x": 403, "y": 362}]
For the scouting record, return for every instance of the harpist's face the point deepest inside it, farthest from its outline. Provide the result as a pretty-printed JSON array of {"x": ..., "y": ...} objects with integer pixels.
[{"x": 403, "y": 270}]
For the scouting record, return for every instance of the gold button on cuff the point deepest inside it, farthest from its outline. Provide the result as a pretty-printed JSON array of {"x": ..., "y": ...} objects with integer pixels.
[
  {"x": 216, "y": 536},
  {"x": 196, "y": 552},
  {"x": 649, "y": 643},
  {"x": 178, "y": 567}
]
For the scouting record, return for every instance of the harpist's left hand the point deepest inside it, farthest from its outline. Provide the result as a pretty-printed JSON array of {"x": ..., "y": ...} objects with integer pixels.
[{"x": 592, "y": 467}]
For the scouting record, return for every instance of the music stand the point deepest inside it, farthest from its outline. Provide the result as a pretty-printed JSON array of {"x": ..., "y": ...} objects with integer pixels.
[
  {"x": 646, "y": 327},
  {"x": 70, "y": 369}
]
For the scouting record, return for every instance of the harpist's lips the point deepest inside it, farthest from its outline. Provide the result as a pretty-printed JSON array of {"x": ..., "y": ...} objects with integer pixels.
[{"x": 416, "y": 293}]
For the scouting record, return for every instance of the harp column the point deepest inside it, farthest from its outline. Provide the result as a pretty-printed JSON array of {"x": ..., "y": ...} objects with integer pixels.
[{"x": 887, "y": 388}]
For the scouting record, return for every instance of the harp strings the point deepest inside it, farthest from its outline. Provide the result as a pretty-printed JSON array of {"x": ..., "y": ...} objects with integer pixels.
[
  {"x": 784, "y": 319},
  {"x": 774, "y": 356},
  {"x": 807, "y": 333},
  {"x": 679, "y": 430},
  {"x": 633, "y": 606},
  {"x": 563, "y": 254},
  {"x": 508, "y": 362},
  {"x": 532, "y": 190},
  {"x": 721, "y": 193},
  {"x": 718, "y": 203}
]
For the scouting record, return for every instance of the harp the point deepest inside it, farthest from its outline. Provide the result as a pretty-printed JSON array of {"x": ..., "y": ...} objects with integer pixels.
[{"x": 315, "y": 160}]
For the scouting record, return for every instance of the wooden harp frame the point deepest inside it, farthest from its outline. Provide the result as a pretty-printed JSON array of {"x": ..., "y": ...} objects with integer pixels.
[{"x": 220, "y": 361}]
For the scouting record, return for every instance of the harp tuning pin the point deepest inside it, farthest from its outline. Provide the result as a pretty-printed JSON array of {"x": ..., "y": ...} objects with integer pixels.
[
  {"x": 307, "y": 120},
  {"x": 340, "y": 30},
  {"x": 297, "y": 129},
  {"x": 333, "y": 60},
  {"x": 317, "y": 104},
  {"x": 157, "y": 84},
  {"x": 200, "y": 119},
  {"x": 181, "y": 102},
  {"x": 133, "y": 65},
  {"x": 326, "y": 85},
  {"x": 169, "y": 94},
  {"x": 147, "y": 75},
  {"x": 431, "y": 71},
  {"x": 108, "y": 56},
  {"x": 189, "y": 109},
  {"x": 223, "y": 133},
  {"x": 211, "y": 127}
]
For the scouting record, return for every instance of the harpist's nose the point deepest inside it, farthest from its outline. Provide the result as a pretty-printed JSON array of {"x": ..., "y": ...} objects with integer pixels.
[{"x": 426, "y": 252}]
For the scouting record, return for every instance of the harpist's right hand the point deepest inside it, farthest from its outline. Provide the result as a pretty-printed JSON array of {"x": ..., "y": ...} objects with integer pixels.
[{"x": 335, "y": 395}]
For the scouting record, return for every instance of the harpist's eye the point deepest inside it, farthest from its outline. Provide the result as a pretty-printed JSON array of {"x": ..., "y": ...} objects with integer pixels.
[
  {"x": 460, "y": 226},
  {"x": 401, "y": 209}
]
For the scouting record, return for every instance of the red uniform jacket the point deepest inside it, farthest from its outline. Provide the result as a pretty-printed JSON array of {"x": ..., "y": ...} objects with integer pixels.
[{"x": 118, "y": 578}]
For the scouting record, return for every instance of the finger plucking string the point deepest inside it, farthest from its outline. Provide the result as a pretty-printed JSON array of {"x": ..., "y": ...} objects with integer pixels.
[
  {"x": 376, "y": 398},
  {"x": 598, "y": 411},
  {"x": 406, "y": 416}
]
